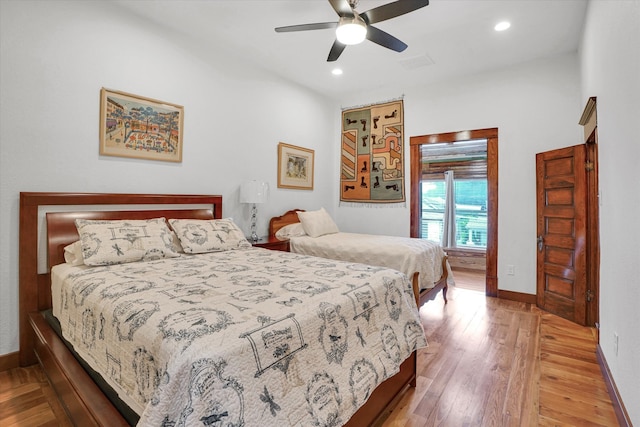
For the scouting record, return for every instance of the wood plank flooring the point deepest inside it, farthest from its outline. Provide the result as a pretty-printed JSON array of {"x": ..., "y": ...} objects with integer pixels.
[
  {"x": 27, "y": 399},
  {"x": 493, "y": 362},
  {"x": 473, "y": 280},
  {"x": 489, "y": 362}
]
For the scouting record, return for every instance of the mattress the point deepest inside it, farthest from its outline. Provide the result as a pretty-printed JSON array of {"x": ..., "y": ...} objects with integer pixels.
[
  {"x": 404, "y": 254},
  {"x": 241, "y": 337}
]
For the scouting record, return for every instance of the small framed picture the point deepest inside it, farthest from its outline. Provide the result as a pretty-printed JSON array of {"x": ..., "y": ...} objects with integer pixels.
[
  {"x": 295, "y": 167},
  {"x": 138, "y": 127}
]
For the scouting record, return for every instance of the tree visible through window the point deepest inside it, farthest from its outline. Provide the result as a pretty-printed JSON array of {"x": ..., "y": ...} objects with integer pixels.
[
  {"x": 468, "y": 162},
  {"x": 471, "y": 211}
]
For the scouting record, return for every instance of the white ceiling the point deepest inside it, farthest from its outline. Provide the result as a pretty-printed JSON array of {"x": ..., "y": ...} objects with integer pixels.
[{"x": 447, "y": 38}]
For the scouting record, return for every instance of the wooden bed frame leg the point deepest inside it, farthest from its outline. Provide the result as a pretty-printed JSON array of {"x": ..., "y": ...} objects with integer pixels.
[
  {"x": 445, "y": 278},
  {"x": 415, "y": 283}
]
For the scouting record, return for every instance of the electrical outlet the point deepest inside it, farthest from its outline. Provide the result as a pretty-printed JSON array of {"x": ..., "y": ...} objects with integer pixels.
[
  {"x": 615, "y": 343},
  {"x": 511, "y": 270}
]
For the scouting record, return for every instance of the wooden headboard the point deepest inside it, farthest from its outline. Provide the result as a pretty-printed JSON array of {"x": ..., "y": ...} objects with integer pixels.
[
  {"x": 35, "y": 288},
  {"x": 277, "y": 222},
  {"x": 62, "y": 231}
]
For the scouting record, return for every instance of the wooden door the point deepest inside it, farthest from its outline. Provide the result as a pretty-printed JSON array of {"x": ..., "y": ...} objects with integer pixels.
[{"x": 561, "y": 186}]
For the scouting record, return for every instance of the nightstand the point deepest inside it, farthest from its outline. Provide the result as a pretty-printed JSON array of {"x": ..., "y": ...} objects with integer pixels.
[{"x": 272, "y": 243}]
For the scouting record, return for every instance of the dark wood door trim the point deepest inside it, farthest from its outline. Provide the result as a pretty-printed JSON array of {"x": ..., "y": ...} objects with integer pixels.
[
  {"x": 491, "y": 135},
  {"x": 593, "y": 232}
]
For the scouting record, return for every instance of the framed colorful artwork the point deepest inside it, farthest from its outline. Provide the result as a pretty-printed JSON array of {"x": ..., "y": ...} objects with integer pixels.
[
  {"x": 138, "y": 127},
  {"x": 295, "y": 167}
]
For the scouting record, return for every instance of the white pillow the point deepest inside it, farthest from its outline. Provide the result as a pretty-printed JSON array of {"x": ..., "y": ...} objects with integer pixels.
[
  {"x": 289, "y": 231},
  {"x": 73, "y": 254},
  {"x": 121, "y": 241},
  {"x": 317, "y": 223},
  {"x": 199, "y": 236}
]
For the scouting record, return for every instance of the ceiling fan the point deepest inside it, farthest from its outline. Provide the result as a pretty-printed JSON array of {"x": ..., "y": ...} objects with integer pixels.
[{"x": 354, "y": 27}]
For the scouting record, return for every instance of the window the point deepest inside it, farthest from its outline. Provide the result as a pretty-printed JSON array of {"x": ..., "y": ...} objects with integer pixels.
[
  {"x": 471, "y": 211},
  {"x": 468, "y": 161}
]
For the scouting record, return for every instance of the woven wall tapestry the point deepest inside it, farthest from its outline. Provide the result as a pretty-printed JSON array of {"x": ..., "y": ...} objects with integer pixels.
[{"x": 372, "y": 154}]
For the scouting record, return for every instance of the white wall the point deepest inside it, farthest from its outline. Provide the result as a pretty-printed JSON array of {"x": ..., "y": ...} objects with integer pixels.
[
  {"x": 55, "y": 57},
  {"x": 611, "y": 72},
  {"x": 535, "y": 106}
]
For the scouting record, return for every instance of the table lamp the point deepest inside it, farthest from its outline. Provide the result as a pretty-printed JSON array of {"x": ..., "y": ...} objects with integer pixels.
[{"x": 254, "y": 192}]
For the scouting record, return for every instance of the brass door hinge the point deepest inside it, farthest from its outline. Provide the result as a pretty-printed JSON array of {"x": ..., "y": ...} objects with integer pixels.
[
  {"x": 590, "y": 295},
  {"x": 588, "y": 166}
]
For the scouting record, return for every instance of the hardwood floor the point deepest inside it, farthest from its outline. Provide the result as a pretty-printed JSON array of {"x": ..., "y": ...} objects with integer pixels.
[
  {"x": 27, "y": 399},
  {"x": 490, "y": 362},
  {"x": 493, "y": 362},
  {"x": 469, "y": 279}
]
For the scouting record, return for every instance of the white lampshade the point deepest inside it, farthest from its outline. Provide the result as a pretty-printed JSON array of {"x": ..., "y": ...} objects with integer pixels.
[
  {"x": 254, "y": 192},
  {"x": 351, "y": 30}
]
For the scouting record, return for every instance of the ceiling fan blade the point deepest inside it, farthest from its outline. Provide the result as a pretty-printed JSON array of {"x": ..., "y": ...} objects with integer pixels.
[
  {"x": 378, "y": 36},
  {"x": 342, "y": 8},
  {"x": 306, "y": 27},
  {"x": 336, "y": 51},
  {"x": 391, "y": 10}
]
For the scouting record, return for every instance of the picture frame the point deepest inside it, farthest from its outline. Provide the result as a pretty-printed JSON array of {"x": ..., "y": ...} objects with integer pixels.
[
  {"x": 138, "y": 127},
  {"x": 295, "y": 167}
]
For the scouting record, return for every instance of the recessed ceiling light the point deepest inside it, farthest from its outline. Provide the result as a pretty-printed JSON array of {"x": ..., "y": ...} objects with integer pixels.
[
  {"x": 501, "y": 26},
  {"x": 336, "y": 71}
]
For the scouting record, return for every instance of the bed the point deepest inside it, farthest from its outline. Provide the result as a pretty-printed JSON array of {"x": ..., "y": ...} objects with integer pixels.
[
  {"x": 423, "y": 261},
  {"x": 216, "y": 388}
]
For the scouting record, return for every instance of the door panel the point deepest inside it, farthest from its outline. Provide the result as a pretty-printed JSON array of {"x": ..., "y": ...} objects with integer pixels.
[{"x": 561, "y": 228}]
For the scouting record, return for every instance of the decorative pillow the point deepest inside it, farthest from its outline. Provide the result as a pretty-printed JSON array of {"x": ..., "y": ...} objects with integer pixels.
[
  {"x": 289, "y": 231},
  {"x": 317, "y": 223},
  {"x": 121, "y": 241},
  {"x": 199, "y": 236},
  {"x": 73, "y": 253}
]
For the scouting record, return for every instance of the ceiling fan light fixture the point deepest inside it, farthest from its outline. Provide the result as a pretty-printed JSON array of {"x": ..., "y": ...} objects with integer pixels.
[
  {"x": 501, "y": 26},
  {"x": 351, "y": 31}
]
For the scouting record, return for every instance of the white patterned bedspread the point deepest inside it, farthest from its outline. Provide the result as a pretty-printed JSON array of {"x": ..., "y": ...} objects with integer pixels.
[
  {"x": 404, "y": 254},
  {"x": 243, "y": 337}
]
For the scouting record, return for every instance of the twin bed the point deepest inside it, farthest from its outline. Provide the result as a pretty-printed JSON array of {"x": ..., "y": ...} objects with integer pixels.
[
  {"x": 423, "y": 261},
  {"x": 215, "y": 333}
]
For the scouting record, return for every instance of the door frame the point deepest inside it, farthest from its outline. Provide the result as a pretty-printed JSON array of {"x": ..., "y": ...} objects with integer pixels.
[
  {"x": 491, "y": 135},
  {"x": 589, "y": 122},
  {"x": 593, "y": 232}
]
